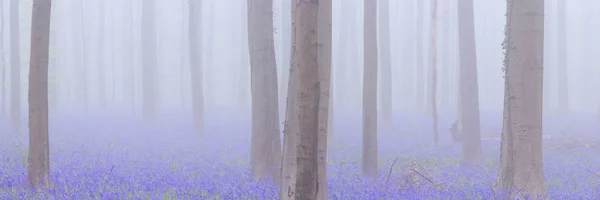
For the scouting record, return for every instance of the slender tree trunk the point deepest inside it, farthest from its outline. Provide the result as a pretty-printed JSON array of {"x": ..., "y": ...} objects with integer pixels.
[
  {"x": 15, "y": 69},
  {"x": 369, "y": 116},
  {"x": 101, "y": 56},
  {"x": 445, "y": 57},
  {"x": 3, "y": 65},
  {"x": 149, "y": 60},
  {"x": 420, "y": 67},
  {"x": 471, "y": 154},
  {"x": 563, "y": 84},
  {"x": 129, "y": 77},
  {"x": 84, "y": 64},
  {"x": 521, "y": 163},
  {"x": 324, "y": 63},
  {"x": 39, "y": 151},
  {"x": 266, "y": 146},
  {"x": 306, "y": 62},
  {"x": 196, "y": 57},
  {"x": 386, "y": 62},
  {"x": 433, "y": 70}
]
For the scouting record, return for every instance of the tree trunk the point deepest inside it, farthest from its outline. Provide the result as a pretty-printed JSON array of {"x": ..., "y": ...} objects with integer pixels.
[
  {"x": 15, "y": 69},
  {"x": 420, "y": 67},
  {"x": 521, "y": 163},
  {"x": 290, "y": 134},
  {"x": 129, "y": 78},
  {"x": 471, "y": 154},
  {"x": 266, "y": 146},
  {"x": 324, "y": 63},
  {"x": 432, "y": 69},
  {"x": 39, "y": 151},
  {"x": 149, "y": 60},
  {"x": 563, "y": 84},
  {"x": 308, "y": 91},
  {"x": 386, "y": 65},
  {"x": 195, "y": 35},
  {"x": 101, "y": 62},
  {"x": 369, "y": 116}
]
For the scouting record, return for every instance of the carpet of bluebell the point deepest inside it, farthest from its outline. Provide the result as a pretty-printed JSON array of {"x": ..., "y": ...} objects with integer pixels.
[{"x": 112, "y": 156}]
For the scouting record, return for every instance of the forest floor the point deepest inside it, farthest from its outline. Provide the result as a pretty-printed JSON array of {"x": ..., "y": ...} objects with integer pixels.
[{"x": 113, "y": 156}]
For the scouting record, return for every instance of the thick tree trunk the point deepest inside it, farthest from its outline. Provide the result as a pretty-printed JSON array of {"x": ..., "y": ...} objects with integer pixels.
[
  {"x": 563, "y": 84},
  {"x": 149, "y": 60},
  {"x": 195, "y": 35},
  {"x": 308, "y": 91},
  {"x": 471, "y": 154},
  {"x": 290, "y": 135},
  {"x": 386, "y": 62},
  {"x": 266, "y": 143},
  {"x": 521, "y": 163},
  {"x": 101, "y": 57},
  {"x": 432, "y": 70},
  {"x": 39, "y": 151},
  {"x": 15, "y": 68},
  {"x": 420, "y": 67},
  {"x": 369, "y": 116},
  {"x": 324, "y": 62}
]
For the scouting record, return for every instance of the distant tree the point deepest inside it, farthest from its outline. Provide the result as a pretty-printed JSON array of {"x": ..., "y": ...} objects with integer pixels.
[
  {"x": 100, "y": 53},
  {"x": 471, "y": 154},
  {"x": 324, "y": 62},
  {"x": 149, "y": 60},
  {"x": 80, "y": 47},
  {"x": 127, "y": 38},
  {"x": 15, "y": 67},
  {"x": 521, "y": 165},
  {"x": 369, "y": 108},
  {"x": 433, "y": 70},
  {"x": 195, "y": 45},
  {"x": 562, "y": 53},
  {"x": 2, "y": 63},
  {"x": 420, "y": 66},
  {"x": 39, "y": 151},
  {"x": 265, "y": 148},
  {"x": 386, "y": 62}
]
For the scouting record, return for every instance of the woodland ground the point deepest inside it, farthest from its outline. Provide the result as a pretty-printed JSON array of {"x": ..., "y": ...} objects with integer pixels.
[{"x": 111, "y": 156}]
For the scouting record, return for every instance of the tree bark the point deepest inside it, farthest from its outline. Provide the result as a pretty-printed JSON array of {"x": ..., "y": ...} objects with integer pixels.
[
  {"x": 149, "y": 60},
  {"x": 306, "y": 62},
  {"x": 420, "y": 67},
  {"x": 521, "y": 163},
  {"x": 15, "y": 69},
  {"x": 101, "y": 56},
  {"x": 471, "y": 154},
  {"x": 369, "y": 116},
  {"x": 195, "y": 38},
  {"x": 386, "y": 65},
  {"x": 324, "y": 62},
  {"x": 433, "y": 70},
  {"x": 563, "y": 84},
  {"x": 266, "y": 146},
  {"x": 39, "y": 151}
]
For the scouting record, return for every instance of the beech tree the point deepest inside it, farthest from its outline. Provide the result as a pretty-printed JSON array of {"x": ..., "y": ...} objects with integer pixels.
[
  {"x": 324, "y": 62},
  {"x": 39, "y": 148},
  {"x": 433, "y": 70},
  {"x": 521, "y": 145},
  {"x": 369, "y": 108},
  {"x": 195, "y": 38}
]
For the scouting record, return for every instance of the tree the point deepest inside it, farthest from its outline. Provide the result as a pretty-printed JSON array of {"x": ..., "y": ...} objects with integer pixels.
[
  {"x": 15, "y": 69},
  {"x": 195, "y": 39},
  {"x": 149, "y": 68},
  {"x": 471, "y": 154},
  {"x": 521, "y": 145},
  {"x": 306, "y": 62},
  {"x": 39, "y": 151},
  {"x": 81, "y": 49},
  {"x": 101, "y": 56},
  {"x": 563, "y": 84},
  {"x": 369, "y": 116},
  {"x": 386, "y": 65},
  {"x": 420, "y": 68},
  {"x": 265, "y": 144},
  {"x": 433, "y": 70},
  {"x": 2, "y": 63},
  {"x": 324, "y": 62}
]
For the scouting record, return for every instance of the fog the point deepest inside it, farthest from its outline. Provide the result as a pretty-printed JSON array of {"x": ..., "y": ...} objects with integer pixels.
[{"x": 103, "y": 137}]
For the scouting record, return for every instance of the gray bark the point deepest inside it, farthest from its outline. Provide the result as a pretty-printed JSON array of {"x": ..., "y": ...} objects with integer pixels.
[
  {"x": 386, "y": 62},
  {"x": 324, "y": 62},
  {"x": 149, "y": 60},
  {"x": 15, "y": 67},
  {"x": 521, "y": 165},
  {"x": 420, "y": 66},
  {"x": 369, "y": 108},
  {"x": 433, "y": 70},
  {"x": 195, "y": 38},
  {"x": 39, "y": 151},
  {"x": 471, "y": 154},
  {"x": 266, "y": 143}
]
